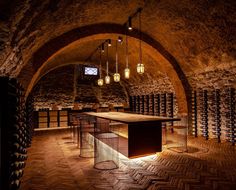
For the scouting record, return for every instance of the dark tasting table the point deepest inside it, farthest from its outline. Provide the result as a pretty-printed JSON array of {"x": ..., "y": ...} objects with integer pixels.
[{"x": 144, "y": 131}]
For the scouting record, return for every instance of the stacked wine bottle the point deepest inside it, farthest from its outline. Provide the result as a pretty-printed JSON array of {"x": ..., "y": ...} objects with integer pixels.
[
  {"x": 204, "y": 113},
  {"x": 158, "y": 105},
  {"x": 142, "y": 104},
  {"x": 30, "y": 119},
  {"x": 194, "y": 114},
  {"x": 152, "y": 103},
  {"x": 131, "y": 105},
  {"x": 170, "y": 107},
  {"x": 146, "y": 104},
  {"x": 163, "y": 104},
  {"x": 230, "y": 116},
  {"x": 17, "y": 134},
  {"x": 216, "y": 115}
]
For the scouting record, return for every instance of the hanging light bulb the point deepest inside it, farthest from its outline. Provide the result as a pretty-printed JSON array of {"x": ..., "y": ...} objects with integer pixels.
[
  {"x": 100, "y": 80},
  {"x": 107, "y": 77},
  {"x": 130, "y": 24},
  {"x": 103, "y": 49},
  {"x": 109, "y": 42},
  {"x": 127, "y": 73},
  {"x": 140, "y": 68},
  {"x": 140, "y": 65},
  {"x": 116, "y": 75},
  {"x": 127, "y": 70}
]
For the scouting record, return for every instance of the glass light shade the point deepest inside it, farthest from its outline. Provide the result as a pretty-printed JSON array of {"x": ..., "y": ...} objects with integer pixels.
[
  {"x": 100, "y": 82},
  {"x": 117, "y": 77},
  {"x": 140, "y": 68},
  {"x": 107, "y": 79},
  {"x": 127, "y": 73}
]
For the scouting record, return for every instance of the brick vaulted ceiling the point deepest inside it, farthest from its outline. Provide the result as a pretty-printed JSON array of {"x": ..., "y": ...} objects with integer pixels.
[{"x": 183, "y": 39}]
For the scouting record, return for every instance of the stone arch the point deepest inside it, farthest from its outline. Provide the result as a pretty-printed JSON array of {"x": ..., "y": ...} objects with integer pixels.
[{"x": 100, "y": 31}]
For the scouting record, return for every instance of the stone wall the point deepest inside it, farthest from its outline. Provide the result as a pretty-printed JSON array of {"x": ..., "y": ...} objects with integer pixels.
[
  {"x": 221, "y": 77},
  {"x": 55, "y": 89},
  {"x": 62, "y": 88}
]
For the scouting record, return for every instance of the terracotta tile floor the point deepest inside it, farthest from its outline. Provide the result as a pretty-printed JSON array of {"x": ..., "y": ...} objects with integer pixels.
[{"x": 54, "y": 164}]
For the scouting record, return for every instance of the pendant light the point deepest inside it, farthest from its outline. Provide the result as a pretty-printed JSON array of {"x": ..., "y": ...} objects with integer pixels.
[
  {"x": 100, "y": 80},
  {"x": 116, "y": 75},
  {"x": 127, "y": 70},
  {"x": 140, "y": 65},
  {"x": 130, "y": 23},
  {"x": 107, "y": 77}
]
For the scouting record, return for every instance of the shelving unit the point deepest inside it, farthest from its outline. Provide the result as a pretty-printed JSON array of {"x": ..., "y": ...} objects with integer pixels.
[
  {"x": 158, "y": 105},
  {"x": 43, "y": 119},
  {"x": 53, "y": 119},
  {"x": 204, "y": 114},
  {"x": 63, "y": 118},
  {"x": 194, "y": 114},
  {"x": 163, "y": 105},
  {"x": 15, "y": 133},
  {"x": 152, "y": 105},
  {"x": 170, "y": 106},
  {"x": 217, "y": 115},
  {"x": 230, "y": 116}
]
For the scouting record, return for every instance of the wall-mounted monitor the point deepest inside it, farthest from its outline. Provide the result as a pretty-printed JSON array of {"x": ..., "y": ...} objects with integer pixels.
[{"x": 91, "y": 71}]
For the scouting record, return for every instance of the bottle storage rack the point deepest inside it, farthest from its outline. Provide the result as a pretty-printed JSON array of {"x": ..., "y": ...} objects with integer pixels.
[
  {"x": 16, "y": 134},
  {"x": 170, "y": 106},
  {"x": 204, "y": 114},
  {"x": 154, "y": 104},
  {"x": 138, "y": 110},
  {"x": 230, "y": 116},
  {"x": 134, "y": 103},
  {"x": 146, "y": 108},
  {"x": 142, "y": 104},
  {"x": 194, "y": 114},
  {"x": 158, "y": 105},
  {"x": 217, "y": 115},
  {"x": 131, "y": 103},
  {"x": 163, "y": 105},
  {"x": 30, "y": 118}
]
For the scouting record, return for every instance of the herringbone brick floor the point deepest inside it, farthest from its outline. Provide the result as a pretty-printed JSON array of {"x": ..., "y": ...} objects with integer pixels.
[{"x": 54, "y": 164}]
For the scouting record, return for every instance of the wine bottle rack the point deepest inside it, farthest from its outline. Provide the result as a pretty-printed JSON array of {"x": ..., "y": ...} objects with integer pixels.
[
  {"x": 142, "y": 104},
  {"x": 131, "y": 105},
  {"x": 163, "y": 105},
  {"x": 30, "y": 118},
  {"x": 152, "y": 103},
  {"x": 170, "y": 106},
  {"x": 194, "y": 114},
  {"x": 230, "y": 116},
  {"x": 204, "y": 114},
  {"x": 138, "y": 104},
  {"x": 134, "y": 103},
  {"x": 15, "y": 133},
  {"x": 146, "y": 108},
  {"x": 158, "y": 105},
  {"x": 217, "y": 115}
]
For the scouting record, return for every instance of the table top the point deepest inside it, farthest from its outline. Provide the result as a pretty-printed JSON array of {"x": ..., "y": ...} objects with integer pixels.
[{"x": 131, "y": 117}]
